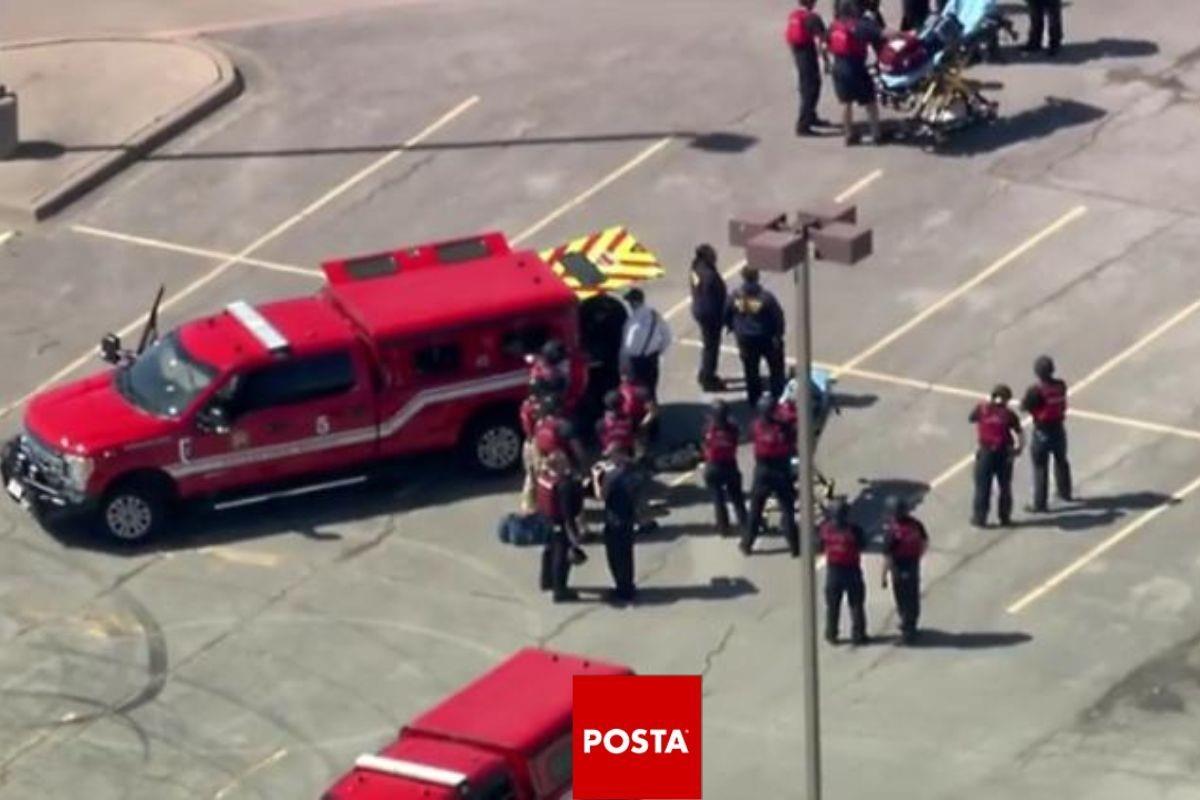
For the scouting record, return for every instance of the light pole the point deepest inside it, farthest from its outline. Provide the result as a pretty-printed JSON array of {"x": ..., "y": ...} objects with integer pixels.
[{"x": 774, "y": 245}]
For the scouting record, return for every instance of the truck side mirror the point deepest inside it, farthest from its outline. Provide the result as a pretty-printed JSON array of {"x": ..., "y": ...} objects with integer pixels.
[
  {"x": 213, "y": 418},
  {"x": 110, "y": 348}
]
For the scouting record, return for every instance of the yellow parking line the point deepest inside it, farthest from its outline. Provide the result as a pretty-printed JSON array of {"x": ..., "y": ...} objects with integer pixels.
[
  {"x": 964, "y": 288},
  {"x": 1102, "y": 548},
  {"x": 267, "y": 237},
  {"x": 846, "y": 194},
  {"x": 593, "y": 190},
  {"x": 199, "y": 252}
]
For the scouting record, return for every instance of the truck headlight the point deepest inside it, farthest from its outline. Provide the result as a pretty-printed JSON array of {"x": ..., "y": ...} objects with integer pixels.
[{"x": 78, "y": 470}]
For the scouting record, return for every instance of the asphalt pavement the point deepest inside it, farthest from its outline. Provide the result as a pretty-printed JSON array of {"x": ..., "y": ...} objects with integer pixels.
[{"x": 255, "y": 653}]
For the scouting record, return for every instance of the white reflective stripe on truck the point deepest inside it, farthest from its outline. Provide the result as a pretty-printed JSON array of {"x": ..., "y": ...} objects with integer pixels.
[
  {"x": 266, "y": 333},
  {"x": 329, "y": 441},
  {"x": 411, "y": 769}
]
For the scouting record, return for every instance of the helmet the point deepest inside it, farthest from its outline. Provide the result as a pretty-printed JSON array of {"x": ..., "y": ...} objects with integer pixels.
[
  {"x": 612, "y": 400},
  {"x": 1043, "y": 367},
  {"x": 1002, "y": 393},
  {"x": 895, "y": 506},
  {"x": 551, "y": 404},
  {"x": 839, "y": 511},
  {"x": 720, "y": 410},
  {"x": 706, "y": 254},
  {"x": 554, "y": 351},
  {"x": 766, "y": 404}
]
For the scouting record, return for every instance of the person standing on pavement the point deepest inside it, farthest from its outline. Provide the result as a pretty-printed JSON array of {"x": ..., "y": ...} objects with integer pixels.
[
  {"x": 1043, "y": 14},
  {"x": 559, "y": 496},
  {"x": 843, "y": 543},
  {"x": 553, "y": 433},
  {"x": 756, "y": 319},
  {"x": 621, "y": 489},
  {"x": 645, "y": 338},
  {"x": 851, "y": 37},
  {"x": 615, "y": 428},
  {"x": 721, "y": 473},
  {"x": 774, "y": 449},
  {"x": 1046, "y": 402},
  {"x": 529, "y": 414},
  {"x": 804, "y": 34},
  {"x": 708, "y": 309},
  {"x": 1001, "y": 440},
  {"x": 904, "y": 543}
]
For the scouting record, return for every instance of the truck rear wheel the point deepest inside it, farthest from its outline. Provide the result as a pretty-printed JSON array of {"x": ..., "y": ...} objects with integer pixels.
[
  {"x": 133, "y": 511},
  {"x": 493, "y": 444}
]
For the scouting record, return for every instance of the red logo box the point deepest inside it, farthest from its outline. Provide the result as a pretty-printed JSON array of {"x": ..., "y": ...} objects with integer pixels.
[{"x": 636, "y": 737}]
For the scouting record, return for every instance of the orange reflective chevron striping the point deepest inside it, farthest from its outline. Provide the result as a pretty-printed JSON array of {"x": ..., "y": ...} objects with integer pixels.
[{"x": 614, "y": 252}]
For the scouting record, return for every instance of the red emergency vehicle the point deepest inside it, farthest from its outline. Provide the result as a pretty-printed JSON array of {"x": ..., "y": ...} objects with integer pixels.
[
  {"x": 403, "y": 352},
  {"x": 505, "y": 736}
]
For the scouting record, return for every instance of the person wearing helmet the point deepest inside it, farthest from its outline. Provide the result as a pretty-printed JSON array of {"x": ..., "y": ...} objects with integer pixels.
[
  {"x": 774, "y": 448},
  {"x": 842, "y": 542},
  {"x": 721, "y": 473},
  {"x": 550, "y": 369},
  {"x": 709, "y": 294},
  {"x": 1046, "y": 402},
  {"x": 554, "y": 433},
  {"x": 621, "y": 489},
  {"x": 1001, "y": 440},
  {"x": 904, "y": 543}
]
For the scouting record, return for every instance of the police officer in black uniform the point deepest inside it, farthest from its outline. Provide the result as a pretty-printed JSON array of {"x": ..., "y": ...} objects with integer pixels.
[
  {"x": 842, "y": 542},
  {"x": 774, "y": 448},
  {"x": 622, "y": 487},
  {"x": 1046, "y": 402},
  {"x": 1001, "y": 440},
  {"x": 708, "y": 309},
  {"x": 559, "y": 500},
  {"x": 756, "y": 319},
  {"x": 904, "y": 543}
]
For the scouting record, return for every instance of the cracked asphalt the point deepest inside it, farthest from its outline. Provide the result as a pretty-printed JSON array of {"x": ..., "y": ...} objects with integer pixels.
[{"x": 254, "y": 653}]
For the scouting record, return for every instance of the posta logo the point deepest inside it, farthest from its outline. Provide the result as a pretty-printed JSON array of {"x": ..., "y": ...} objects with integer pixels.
[{"x": 636, "y": 736}]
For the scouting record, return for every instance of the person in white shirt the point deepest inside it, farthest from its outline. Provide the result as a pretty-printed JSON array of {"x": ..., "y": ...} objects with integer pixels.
[{"x": 645, "y": 338}]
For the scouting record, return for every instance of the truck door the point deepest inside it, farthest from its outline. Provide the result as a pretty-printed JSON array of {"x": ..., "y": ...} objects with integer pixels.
[{"x": 310, "y": 414}]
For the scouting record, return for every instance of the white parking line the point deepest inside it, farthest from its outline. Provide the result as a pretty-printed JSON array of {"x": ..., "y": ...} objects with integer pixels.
[
  {"x": 267, "y": 237},
  {"x": 592, "y": 191},
  {"x": 189, "y": 250}
]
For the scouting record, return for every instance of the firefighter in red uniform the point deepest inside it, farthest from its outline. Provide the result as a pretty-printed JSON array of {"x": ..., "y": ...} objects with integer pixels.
[
  {"x": 1000, "y": 442},
  {"x": 554, "y": 434},
  {"x": 804, "y": 34},
  {"x": 721, "y": 473},
  {"x": 774, "y": 448},
  {"x": 559, "y": 497},
  {"x": 615, "y": 429},
  {"x": 850, "y": 37},
  {"x": 639, "y": 407},
  {"x": 843, "y": 542},
  {"x": 1046, "y": 402},
  {"x": 904, "y": 542},
  {"x": 530, "y": 413}
]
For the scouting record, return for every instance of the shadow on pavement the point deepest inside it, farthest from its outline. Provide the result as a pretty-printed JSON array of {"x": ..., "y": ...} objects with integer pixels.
[
  {"x": 721, "y": 142},
  {"x": 1075, "y": 53},
  {"x": 1095, "y": 512},
  {"x": 867, "y": 508},
  {"x": 719, "y": 588},
  {"x": 931, "y": 638},
  {"x": 1054, "y": 115}
]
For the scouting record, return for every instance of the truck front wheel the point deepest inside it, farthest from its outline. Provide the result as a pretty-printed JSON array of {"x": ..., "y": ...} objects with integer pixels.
[
  {"x": 133, "y": 511},
  {"x": 493, "y": 444}
]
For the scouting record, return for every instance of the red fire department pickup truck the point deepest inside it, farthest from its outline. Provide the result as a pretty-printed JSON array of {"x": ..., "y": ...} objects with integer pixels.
[
  {"x": 414, "y": 350},
  {"x": 506, "y": 736}
]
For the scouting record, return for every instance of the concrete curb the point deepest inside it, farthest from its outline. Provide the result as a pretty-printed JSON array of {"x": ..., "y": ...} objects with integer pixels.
[{"x": 163, "y": 127}]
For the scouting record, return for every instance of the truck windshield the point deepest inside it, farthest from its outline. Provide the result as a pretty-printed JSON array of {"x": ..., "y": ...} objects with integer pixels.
[{"x": 165, "y": 379}]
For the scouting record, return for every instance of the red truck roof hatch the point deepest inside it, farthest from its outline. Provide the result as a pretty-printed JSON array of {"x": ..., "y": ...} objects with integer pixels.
[
  {"x": 518, "y": 706},
  {"x": 415, "y": 768},
  {"x": 407, "y": 259},
  {"x": 420, "y": 301}
]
